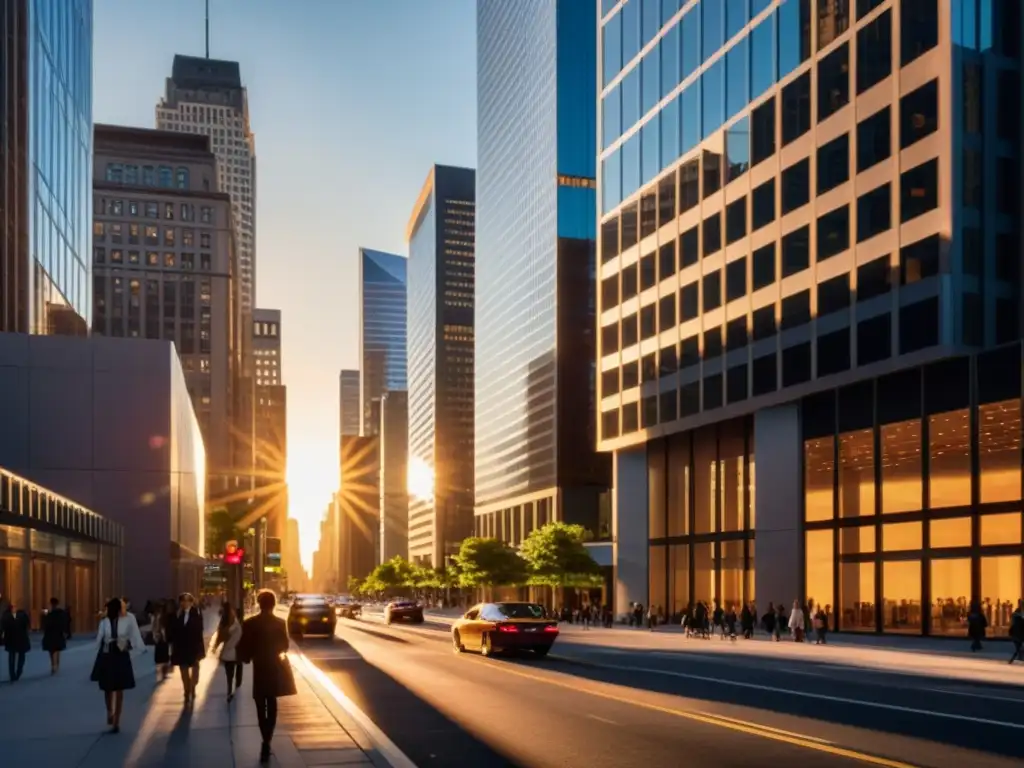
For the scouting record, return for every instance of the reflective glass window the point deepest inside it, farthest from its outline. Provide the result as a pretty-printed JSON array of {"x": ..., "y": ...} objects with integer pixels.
[
  {"x": 919, "y": 28},
  {"x": 736, "y": 220},
  {"x": 732, "y": 466},
  {"x": 901, "y": 595},
  {"x": 611, "y": 35},
  {"x": 631, "y": 165},
  {"x": 874, "y": 138},
  {"x": 796, "y": 310},
  {"x": 736, "y": 17},
  {"x": 763, "y": 267},
  {"x": 764, "y": 326},
  {"x": 833, "y": 233},
  {"x": 630, "y": 14},
  {"x": 834, "y": 296},
  {"x": 901, "y": 466},
  {"x": 689, "y": 247},
  {"x": 650, "y": 71},
  {"x": 689, "y": 185},
  {"x": 997, "y": 530},
  {"x": 796, "y": 251},
  {"x": 705, "y": 585},
  {"x": 819, "y": 479},
  {"x": 1000, "y": 590},
  {"x": 650, "y": 150},
  {"x": 952, "y": 532},
  {"x": 666, "y": 320},
  {"x": 669, "y": 8},
  {"x": 690, "y": 56},
  {"x": 820, "y": 553},
  {"x": 712, "y": 235},
  {"x": 737, "y": 93},
  {"x": 689, "y": 307},
  {"x": 796, "y": 108},
  {"x": 669, "y": 117},
  {"x": 737, "y": 149},
  {"x": 713, "y": 25},
  {"x": 650, "y": 24},
  {"x": 658, "y": 566},
  {"x": 669, "y": 48},
  {"x": 833, "y": 163},
  {"x": 856, "y": 473},
  {"x": 762, "y": 205},
  {"x": 737, "y": 337},
  {"x": 679, "y": 577},
  {"x": 762, "y": 57},
  {"x": 611, "y": 180},
  {"x": 690, "y": 118},
  {"x": 762, "y": 140},
  {"x": 796, "y": 186},
  {"x": 833, "y": 21},
  {"x": 919, "y": 260},
  {"x": 902, "y": 537},
  {"x": 712, "y": 175},
  {"x": 794, "y": 34},
  {"x": 736, "y": 280},
  {"x": 874, "y": 52},
  {"x": 611, "y": 115},
  {"x": 874, "y": 212},
  {"x": 919, "y": 190},
  {"x": 834, "y": 82},
  {"x": 656, "y": 478},
  {"x": 999, "y": 454},
  {"x": 919, "y": 114},
  {"x": 630, "y": 87},
  {"x": 713, "y": 88},
  {"x": 949, "y": 459},
  {"x": 705, "y": 462},
  {"x": 667, "y": 204},
  {"x": 857, "y": 595},
  {"x": 630, "y": 226},
  {"x": 950, "y": 585},
  {"x": 712, "y": 289}
]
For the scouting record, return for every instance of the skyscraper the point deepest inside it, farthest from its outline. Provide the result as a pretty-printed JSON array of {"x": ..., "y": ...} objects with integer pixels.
[
  {"x": 382, "y": 331},
  {"x": 810, "y": 304},
  {"x": 394, "y": 473},
  {"x": 441, "y": 268},
  {"x": 536, "y": 458},
  {"x": 45, "y": 166},
  {"x": 270, "y": 412},
  {"x": 350, "y": 413},
  {"x": 206, "y": 96}
]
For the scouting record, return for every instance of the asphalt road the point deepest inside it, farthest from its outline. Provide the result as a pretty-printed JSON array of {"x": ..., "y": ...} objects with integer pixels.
[{"x": 598, "y": 707}]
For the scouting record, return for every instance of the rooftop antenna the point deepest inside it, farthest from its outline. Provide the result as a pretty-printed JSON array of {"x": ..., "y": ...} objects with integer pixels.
[{"x": 207, "y": 28}]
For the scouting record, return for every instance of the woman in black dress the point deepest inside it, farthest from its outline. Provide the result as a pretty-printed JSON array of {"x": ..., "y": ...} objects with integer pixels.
[
  {"x": 118, "y": 635},
  {"x": 55, "y": 633},
  {"x": 188, "y": 646}
]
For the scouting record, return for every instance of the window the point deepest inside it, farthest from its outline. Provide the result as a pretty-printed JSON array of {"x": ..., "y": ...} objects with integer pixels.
[
  {"x": 712, "y": 290},
  {"x": 999, "y": 453},
  {"x": 1008, "y": 105},
  {"x": 764, "y": 323},
  {"x": 667, "y": 260},
  {"x": 765, "y": 375},
  {"x": 609, "y": 239},
  {"x": 762, "y": 57},
  {"x": 152, "y": 236},
  {"x": 611, "y": 115},
  {"x": 796, "y": 108},
  {"x": 737, "y": 91},
  {"x": 833, "y": 232},
  {"x": 796, "y": 251},
  {"x": 972, "y": 97},
  {"x": 648, "y": 329},
  {"x": 874, "y": 340},
  {"x": 712, "y": 392},
  {"x": 669, "y": 58},
  {"x": 763, "y": 205},
  {"x": 713, "y": 343},
  {"x": 714, "y": 27},
  {"x": 874, "y": 212},
  {"x": 874, "y": 278},
  {"x": 919, "y": 28},
  {"x": 691, "y": 55},
  {"x": 763, "y": 267},
  {"x": 712, "y": 84},
  {"x": 1008, "y": 186},
  {"x": 736, "y": 279},
  {"x": 834, "y": 82},
  {"x": 712, "y": 229},
  {"x": 689, "y": 185},
  {"x": 794, "y": 22},
  {"x": 762, "y": 127},
  {"x": 901, "y": 468},
  {"x": 648, "y": 215},
  {"x": 737, "y": 150},
  {"x": 874, "y": 139},
  {"x": 919, "y": 260},
  {"x": 796, "y": 365},
  {"x": 833, "y": 352},
  {"x": 650, "y": 82},
  {"x": 949, "y": 459},
  {"x": 796, "y": 186},
  {"x": 736, "y": 335},
  {"x": 857, "y": 596},
  {"x": 736, "y": 221},
  {"x": 612, "y": 47},
  {"x": 972, "y": 178},
  {"x": 689, "y": 307},
  {"x": 796, "y": 310},
  {"x": 667, "y": 312},
  {"x": 874, "y": 52},
  {"x": 833, "y": 163},
  {"x": 667, "y": 199},
  {"x": 834, "y": 295},
  {"x": 919, "y": 191},
  {"x": 689, "y": 352},
  {"x": 712, "y": 173},
  {"x": 919, "y": 325},
  {"x": 919, "y": 114},
  {"x": 648, "y": 271},
  {"x": 689, "y": 247},
  {"x": 668, "y": 360},
  {"x": 629, "y": 226},
  {"x": 610, "y": 292},
  {"x": 629, "y": 282},
  {"x": 833, "y": 21},
  {"x": 820, "y": 559}
]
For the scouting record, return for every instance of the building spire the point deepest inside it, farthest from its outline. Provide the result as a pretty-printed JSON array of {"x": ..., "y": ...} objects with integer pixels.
[{"x": 207, "y": 28}]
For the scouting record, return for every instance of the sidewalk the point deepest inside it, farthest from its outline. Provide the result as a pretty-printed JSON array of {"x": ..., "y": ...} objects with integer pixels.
[{"x": 61, "y": 721}]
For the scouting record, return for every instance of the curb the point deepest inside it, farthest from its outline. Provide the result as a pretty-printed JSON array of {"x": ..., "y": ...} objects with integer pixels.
[{"x": 381, "y": 751}]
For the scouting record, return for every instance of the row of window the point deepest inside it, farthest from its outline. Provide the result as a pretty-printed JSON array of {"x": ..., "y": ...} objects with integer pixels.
[
  {"x": 118, "y": 257},
  {"x": 150, "y": 176},
  {"x": 152, "y": 210},
  {"x": 149, "y": 234},
  {"x": 753, "y": 141}
]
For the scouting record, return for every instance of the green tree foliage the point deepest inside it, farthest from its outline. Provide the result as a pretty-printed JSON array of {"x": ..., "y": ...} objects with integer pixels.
[
  {"x": 556, "y": 557},
  {"x": 489, "y": 562},
  {"x": 355, "y": 585},
  {"x": 220, "y": 527}
]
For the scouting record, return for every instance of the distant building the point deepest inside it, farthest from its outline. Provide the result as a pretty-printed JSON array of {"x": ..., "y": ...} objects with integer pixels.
[
  {"x": 45, "y": 166},
  {"x": 441, "y": 348},
  {"x": 291, "y": 558},
  {"x": 382, "y": 331},
  {"x": 357, "y": 508},
  {"x": 349, "y": 409},
  {"x": 394, "y": 470},
  {"x": 270, "y": 413}
]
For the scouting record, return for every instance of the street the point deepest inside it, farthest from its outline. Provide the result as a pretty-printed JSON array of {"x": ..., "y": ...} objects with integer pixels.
[{"x": 591, "y": 704}]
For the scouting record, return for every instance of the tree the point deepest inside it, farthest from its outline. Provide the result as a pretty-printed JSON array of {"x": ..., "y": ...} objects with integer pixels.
[
  {"x": 396, "y": 572},
  {"x": 555, "y": 557},
  {"x": 355, "y": 586},
  {"x": 488, "y": 563},
  {"x": 221, "y": 527}
]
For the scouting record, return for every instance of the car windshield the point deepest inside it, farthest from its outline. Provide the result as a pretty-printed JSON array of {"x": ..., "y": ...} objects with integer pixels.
[
  {"x": 521, "y": 610},
  {"x": 311, "y": 602}
]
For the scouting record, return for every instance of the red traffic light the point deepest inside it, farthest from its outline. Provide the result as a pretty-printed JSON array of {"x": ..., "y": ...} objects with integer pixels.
[{"x": 235, "y": 557}]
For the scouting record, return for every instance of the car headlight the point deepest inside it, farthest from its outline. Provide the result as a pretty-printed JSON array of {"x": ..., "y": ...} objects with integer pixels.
[{"x": 303, "y": 621}]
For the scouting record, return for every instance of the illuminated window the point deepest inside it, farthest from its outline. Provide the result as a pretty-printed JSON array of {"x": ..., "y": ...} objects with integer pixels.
[
  {"x": 955, "y": 532},
  {"x": 1000, "y": 529},
  {"x": 856, "y": 473},
  {"x": 901, "y": 596},
  {"x": 1000, "y": 590},
  {"x": 819, "y": 472},
  {"x": 899, "y": 537},
  {"x": 901, "y": 466},
  {"x": 951, "y": 585},
  {"x": 857, "y": 596},
  {"x": 857, "y": 541},
  {"x": 949, "y": 457},
  {"x": 999, "y": 455},
  {"x": 820, "y": 558}
]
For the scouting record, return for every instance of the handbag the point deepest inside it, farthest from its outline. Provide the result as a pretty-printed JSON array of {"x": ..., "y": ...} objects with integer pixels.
[{"x": 285, "y": 678}]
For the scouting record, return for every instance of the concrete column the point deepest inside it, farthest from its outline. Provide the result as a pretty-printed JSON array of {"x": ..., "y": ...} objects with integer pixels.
[
  {"x": 778, "y": 554},
  {"x": 629, "y": 528}
]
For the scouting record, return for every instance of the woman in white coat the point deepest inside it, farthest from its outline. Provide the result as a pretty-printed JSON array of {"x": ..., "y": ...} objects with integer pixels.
[
  {"x": 796, "y": 622},
  {"x": 229, "y": 632},
  {"x": 117, "y": 637}
]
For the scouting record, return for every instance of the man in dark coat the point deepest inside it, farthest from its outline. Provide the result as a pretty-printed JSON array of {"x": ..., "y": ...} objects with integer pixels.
[
  {"x": 56, "y": 631},
  {"x": 188, "y": 646},
  {"x": 14, "y": 628},
  {"x": 264, "y": 643}
]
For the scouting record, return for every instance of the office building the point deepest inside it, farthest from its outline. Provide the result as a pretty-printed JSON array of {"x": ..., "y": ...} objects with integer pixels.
[
  {"x": 382, "y": 331},
  {"x": 206, "y": 97},
  {"x": 536, "y": 458},
  {"x": 394, "y": 473},
  {"x": 164, "y": 262},
  {"x": 810, "y": 305},
  {"x": 45, "y": 166},
  {"x": 291, "y": 559},
  {"x": 441, "y": 243},
  {"x": 350, "y": 414},
  {"x": 356, "y": 509},
  {"x": 270, "y": 414},
  {"x": 109, "y": 423}
]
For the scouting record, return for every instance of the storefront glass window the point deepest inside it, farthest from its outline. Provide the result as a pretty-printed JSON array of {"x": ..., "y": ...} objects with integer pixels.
[
  {"x": 951, "y": 589},
  {"x": 679, "y": 577},
  {"x": 732, "y": 575},
  {"x": 955, "y": 532},
  {"x": 704, "y": 586},
  {"x": 658, "y": 565},
  {"x": 820, "y": 558},
  {"x": 819, "y": 474},
  {"x": 857, "y": 596},
  {"x": 999, "y": 451},
  {"x": 902, "y": 537},
  {"x": 733, "y": 472},
  {"x": 705, "y": 451},
  {"x": 901, "y": 594},
  {"x": 856, "y": 473},
  {"x": 949, "y": 459},
  {"x": 656, "y": 477},
  {"x": 679, "y": 486},
  {"x": 1000, "y": 591},
  {"x": 901, "y": 466},
  {"x": 1000, "y": 529},
  {"x": 857, "y": 541}
]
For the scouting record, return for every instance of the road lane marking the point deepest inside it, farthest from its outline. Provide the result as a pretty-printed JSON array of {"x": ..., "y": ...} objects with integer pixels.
[
  {"x": 750, "y": 728},
  {"x": 602, "y": 719},
  {"x": 809, "y": 695},
  {"x": 385, "y": 746}
]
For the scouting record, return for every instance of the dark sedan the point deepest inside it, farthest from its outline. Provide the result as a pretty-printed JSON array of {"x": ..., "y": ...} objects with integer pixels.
[
  {"x": 495, "y": 627},
  {"x": 311, "y": 615},
  {"x": 403, "y": 610}
]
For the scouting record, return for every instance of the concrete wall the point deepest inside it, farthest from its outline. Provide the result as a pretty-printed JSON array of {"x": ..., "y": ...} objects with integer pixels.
[
  {"x": 777, "y": 504},
  {"x": 630, "y": 528},
  {"x": 107, "y": 422}
]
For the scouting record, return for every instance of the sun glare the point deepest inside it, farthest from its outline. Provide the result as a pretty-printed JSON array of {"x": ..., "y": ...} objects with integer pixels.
[{"x": 420, "y": 479}]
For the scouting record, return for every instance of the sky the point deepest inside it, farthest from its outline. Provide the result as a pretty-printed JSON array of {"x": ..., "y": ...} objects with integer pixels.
[{"x": 351, "y": 102}]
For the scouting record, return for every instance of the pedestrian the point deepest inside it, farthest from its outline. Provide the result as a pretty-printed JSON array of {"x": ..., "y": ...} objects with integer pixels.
[
  {"x": 55, "y": 633},
  {"x": 187, "y": 644},
  {"x": 976, "y": 623},
  {"x": 780, "y": 622},
  {"x": 14, "y": 628},
  {"x": 796, "y": 622},
  {"x": 821, "y": 625},
  {"x": 1017, "y": 632},
  {"x": 264, "y": 643},
  {"x": 718, "y": 621},
  {"x": 117, "y": 638},
  {"x": 229, "y": 632},
  {"x": 730, "y": 622},
  {"x": 163, "y": 615},
  {"x": 747, "y": 621}
]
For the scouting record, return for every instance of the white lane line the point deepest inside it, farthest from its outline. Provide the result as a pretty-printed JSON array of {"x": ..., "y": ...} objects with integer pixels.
[
  {"x": 819, "y": 696},
  {"x": 602, "y": 719},
  {"x": 948, "y": 691},
  {"x": 395, "y": 757}
]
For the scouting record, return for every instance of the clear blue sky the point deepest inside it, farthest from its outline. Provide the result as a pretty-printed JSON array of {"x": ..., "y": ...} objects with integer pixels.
[{"x": 351, "y": 102}]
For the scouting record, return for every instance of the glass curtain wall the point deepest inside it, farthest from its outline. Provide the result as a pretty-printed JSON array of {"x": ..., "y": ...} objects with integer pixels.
[
  {"x": 700, "y": 517},
  {"x": 912, "y": 497}
]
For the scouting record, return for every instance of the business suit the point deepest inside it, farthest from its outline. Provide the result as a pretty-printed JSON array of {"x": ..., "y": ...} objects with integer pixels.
[
  {"x": 264, "y": 641},
  {"x": 187, "y": 648},
  {"x": 14, "y": 628}
]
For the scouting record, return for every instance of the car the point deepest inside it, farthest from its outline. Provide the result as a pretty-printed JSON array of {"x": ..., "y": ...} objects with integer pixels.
[
  {"x": 347, "y": 607},
  {"x": 496, "y": 627},
  {"x": 403, "y": 610},
  {"x": 311, "y": 615}
]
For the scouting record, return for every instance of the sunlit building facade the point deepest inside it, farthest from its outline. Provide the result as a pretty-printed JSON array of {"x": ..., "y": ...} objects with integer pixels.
[
  {"x": 45, "y": 166},
  {"x": 382, "y": 331},
  {"x": 535, "y": 454},
  {"x": 809, "y": 228},
  {"x": 350, "y": 415},
  {"x": 441, "y": 316}
]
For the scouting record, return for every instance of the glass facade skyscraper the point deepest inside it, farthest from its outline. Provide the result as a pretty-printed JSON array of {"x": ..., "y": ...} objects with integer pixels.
[
  {"x": 809, "y": 221},
  {"x": 46, "y": 165},
  {"x": 536, "y": 198},
  {"x": 441, "y": 319},
  {"x": 382, "y": 331}
]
